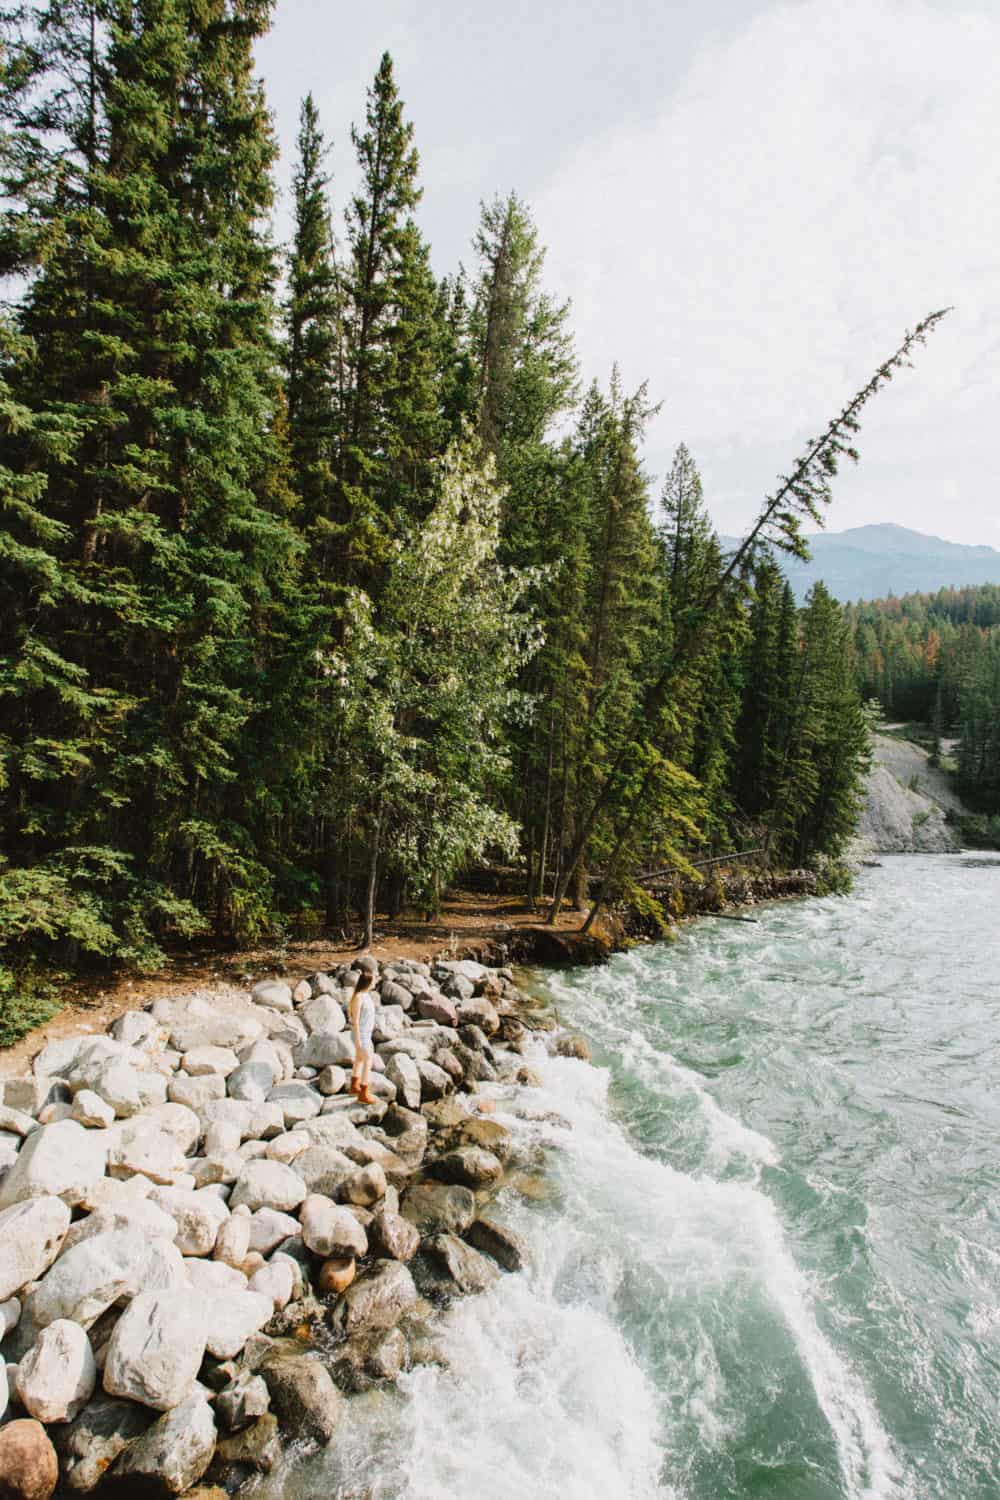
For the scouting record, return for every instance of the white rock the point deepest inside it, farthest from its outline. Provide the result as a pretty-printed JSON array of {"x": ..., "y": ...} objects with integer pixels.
[
  {"x": 219, "y": 1031},
  {"x": 328, "y": 1229},
  {"x": 274, "y": 1281},
  {"x": 140, "y": 1215},
  {"x": 269, "y": 1229},
  {"x": 173, "y": 1453},
  {"x": 222, "y": 1138},
  {"x": 134, "y": 1028},
  {"x": 58, "y": 1057},
  {"x": 298, "y": 1102},
  {"x": 212, "y": 1276},
  {"x": 196, "y": 1092},
  {"x": 251, "y": 1150},
  {"x": 85, "y": 1281},
  {"x": 56, "y": 1378},
  {"x": 268, "y": 1184},
  {"x": 31, "y": 1236},
  {"x": 92, "y": 1111},
  {"x": 403, "y": 1072},
  {"x": 230, "y": 1318},
  {"x": 302, "y": 992},
  {"x": 198, "y": 1216},
  {"x": 217, "y": 1171},
  {"x": 30, "y": 1094},
  {"x": 390, "y": 1021},
  {"x": 17, "y": 1121},
  {"x": 156, "y": 1349},
  {"x": 8, "y": 1150},
  {"x": 268, "y": 1053},
  {"x": 53, "y": 1113},
  {"x": 111, "y": 1195},
  {"x": 10, "y": 1316},
  {"x": 232, "y": 1243},
  {"x": 272, "y": 993},
  {"x": 324, "y": 1014},
  {"x": 287, "y": 1147},
  {"x": 61, "y": 1160},
  {"x": 152, "y": 1089},
  {"x": 221, "y": 1060},
  {"x": 251, "y": 1082},
  {"x": 151, "y": 1151}
]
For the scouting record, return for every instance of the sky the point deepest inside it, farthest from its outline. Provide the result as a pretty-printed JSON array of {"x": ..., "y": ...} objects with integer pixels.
[{"x": 748, "y": 205}]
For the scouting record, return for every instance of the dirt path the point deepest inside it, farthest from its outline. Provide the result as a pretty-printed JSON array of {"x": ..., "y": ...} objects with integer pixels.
[{"x": 92, "y": 1005}]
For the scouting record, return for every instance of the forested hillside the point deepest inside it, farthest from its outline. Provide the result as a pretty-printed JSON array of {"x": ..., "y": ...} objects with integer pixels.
[
  {"x": 324, "y": 578},
  {"x": 935, "y": 659}
]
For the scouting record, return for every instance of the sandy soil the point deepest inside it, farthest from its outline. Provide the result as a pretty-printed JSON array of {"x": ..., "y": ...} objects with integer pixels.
[{"x": 906, "y": 803}]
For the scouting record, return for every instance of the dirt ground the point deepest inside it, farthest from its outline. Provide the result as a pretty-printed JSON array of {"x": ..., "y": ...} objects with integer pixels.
[{"x": 91, "y": 1005}]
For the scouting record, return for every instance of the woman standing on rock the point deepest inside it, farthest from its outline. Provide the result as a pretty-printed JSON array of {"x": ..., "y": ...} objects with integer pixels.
[{"x": 362, "y": 1023}]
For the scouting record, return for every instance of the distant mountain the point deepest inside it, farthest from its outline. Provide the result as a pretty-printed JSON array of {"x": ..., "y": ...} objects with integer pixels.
[{"x": 869, "y": 562}]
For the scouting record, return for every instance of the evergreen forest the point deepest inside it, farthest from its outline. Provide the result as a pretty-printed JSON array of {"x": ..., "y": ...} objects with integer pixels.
[
  {"x": 934, "y": 660},
  {"x": 325, "y": 578}
]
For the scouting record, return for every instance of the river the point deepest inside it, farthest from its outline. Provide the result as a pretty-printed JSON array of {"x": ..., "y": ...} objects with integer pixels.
[{"x": 768, "y": 1259}]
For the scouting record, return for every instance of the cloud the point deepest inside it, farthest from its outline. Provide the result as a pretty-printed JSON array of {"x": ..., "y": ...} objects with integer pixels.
[{"x": 815, "y": 184}]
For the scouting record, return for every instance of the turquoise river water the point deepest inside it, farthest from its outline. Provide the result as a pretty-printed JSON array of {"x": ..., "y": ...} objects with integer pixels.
[{"x": 768, "y": 1263}]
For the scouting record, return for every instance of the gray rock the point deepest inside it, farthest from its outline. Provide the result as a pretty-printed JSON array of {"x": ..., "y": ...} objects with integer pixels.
[
  {"x": 435, "y": 1207},
  {"x": 150, "y": 1152},
  {"x": 324, "y": 1169},
  {"x": 434, "y": 1081},
  {"x": 505, "y": 1246},
  {"x": 394, "y": 994},
  {"x": 156, "y": 1349},
  {"x": 241, "y": 1402},
  {"x": 273, "y": 993},
  {"x": 366, "y": 1186},
  {"x": 329, "y": 1230},
  {"x": 331, "y": 1081},
  {"x": 139, "y": 1216},
  {"x": 276, "y": 1281},
  {"x": 251, "y": 1081},
  {"x": 89, "y": 1445},
  {"x": 298, "y": 1102},
  {"x": 469, "y": 1165},
  {"x": 90, "y": 1110},
  {"x": 285, "y": 1148},
  {"x": 391, "y": 1237},
  {"x": 134, "y": 1028},
  {"x": 479, "y": 1012},
  {"x": 60, "y": 1161},
  {"x": 325, "y": 1049},
  {"x": 457, "y": 987},
  {"x": 378, "y": 1301},
  {"x": 390, "y": 1021},
  {"x": 170, "y": 1456},
  {"x": 303, "y": 1395},
  {"x": 56, "y": 1378},
  {"x": 86, "y": 1280},
  {"x": 216, "y": 1031},
  {"x": 211, "y": 1278},
  {"x": 30, "y": 1095},
  {"x": 322, "y": 984},
  {"x": 31, "y": 1236},
  {"x": 16, "y": 1121},
  {"x": 268, "y": 1184},
  {"x": 254, "y": 1450},
  {"x": 462, "y": 1265},
  {"x": 210, "y": 1059},
  {"x": 324, "y": 1014}
]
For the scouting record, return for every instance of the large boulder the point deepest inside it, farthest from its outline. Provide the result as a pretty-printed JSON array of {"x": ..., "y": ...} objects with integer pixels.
[
  {"x": 437, "y": 1207},
  {"x": 298, "y": 1102},
  {"x": 391, "y": 1237},
  {"x": 31, "y": 1235},
  {"x": 89, "y": 1445},
  {"x": 324, "y": 1169},
  {"x": 325, "y": 1013},
  {"x": 389, "y": 1023},
  {"x": 229, "y": 1319},
  {"x": 29, "y": 1468},
  {"x": 198, "y": 1216},
  {"x": 90, "y": 1110},
  {"x": 384, "y": 1296},
  {"x": 195, "y": 1093},
  {"x": 171, "y": 1455},
  {"x": 269, "y": 1229},
  {"x": 328, "y": 1229},
  {"x": 462, "y": 1267},
  {"x": 273, "y": 993},
  {"x": 251, "y": 1081},
  {"x": 303, "y": 1395},
  {"x": 61, "y": 1160},
  {"x": 147, "y": 1151},
  {"x": 324, "y": 1049},
  {"x": 478, "y": 1011},
  {"x": 504, "y": 1245},
  {"x": 436, "y": 1007},
  {"x": 469, "y": 1165},
  {"x": 434, "y": 1081},
  {"x": 56, "y": 1378},
  {"x": 268, "y": 1184},
  {"x": 110, "y": 1267},
  {"x": 210, "y": 1059},
  {"x": 156, "y": 1350},
  {"x": 241, "y": 1402}
]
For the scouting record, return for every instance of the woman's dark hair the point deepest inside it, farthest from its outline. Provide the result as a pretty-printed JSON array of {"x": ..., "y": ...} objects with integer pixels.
[{"x": 364, "y": 981}]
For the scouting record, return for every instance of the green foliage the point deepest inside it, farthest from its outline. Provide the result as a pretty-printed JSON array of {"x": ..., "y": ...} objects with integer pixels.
[
  {"x": 25, "y": 1002},
  {"x": 304, "y": 609}
]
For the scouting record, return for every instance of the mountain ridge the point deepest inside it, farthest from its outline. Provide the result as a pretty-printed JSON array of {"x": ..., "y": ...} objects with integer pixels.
[{"x": 883, "y": 558}]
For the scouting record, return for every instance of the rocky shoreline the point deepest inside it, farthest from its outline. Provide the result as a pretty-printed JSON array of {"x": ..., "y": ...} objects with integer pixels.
[{"x": 207, "y": 1243}]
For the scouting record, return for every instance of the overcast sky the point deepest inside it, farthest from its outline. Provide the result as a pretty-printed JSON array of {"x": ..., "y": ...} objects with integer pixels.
[{"x": 748, "y": 204}]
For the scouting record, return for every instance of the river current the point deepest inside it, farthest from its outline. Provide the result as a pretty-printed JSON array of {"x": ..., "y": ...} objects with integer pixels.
[{"x": 766, "y": 1261}]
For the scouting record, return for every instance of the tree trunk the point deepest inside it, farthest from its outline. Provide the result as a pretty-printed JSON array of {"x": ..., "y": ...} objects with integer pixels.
[{"x": 369, "y": 936}]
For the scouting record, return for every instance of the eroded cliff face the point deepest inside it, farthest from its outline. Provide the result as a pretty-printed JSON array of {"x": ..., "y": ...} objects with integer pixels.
[{"x": 906, "y": 803}]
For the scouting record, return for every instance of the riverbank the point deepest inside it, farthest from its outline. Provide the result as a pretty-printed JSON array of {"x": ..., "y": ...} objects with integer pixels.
[{"x": 207, "y": 1244}]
